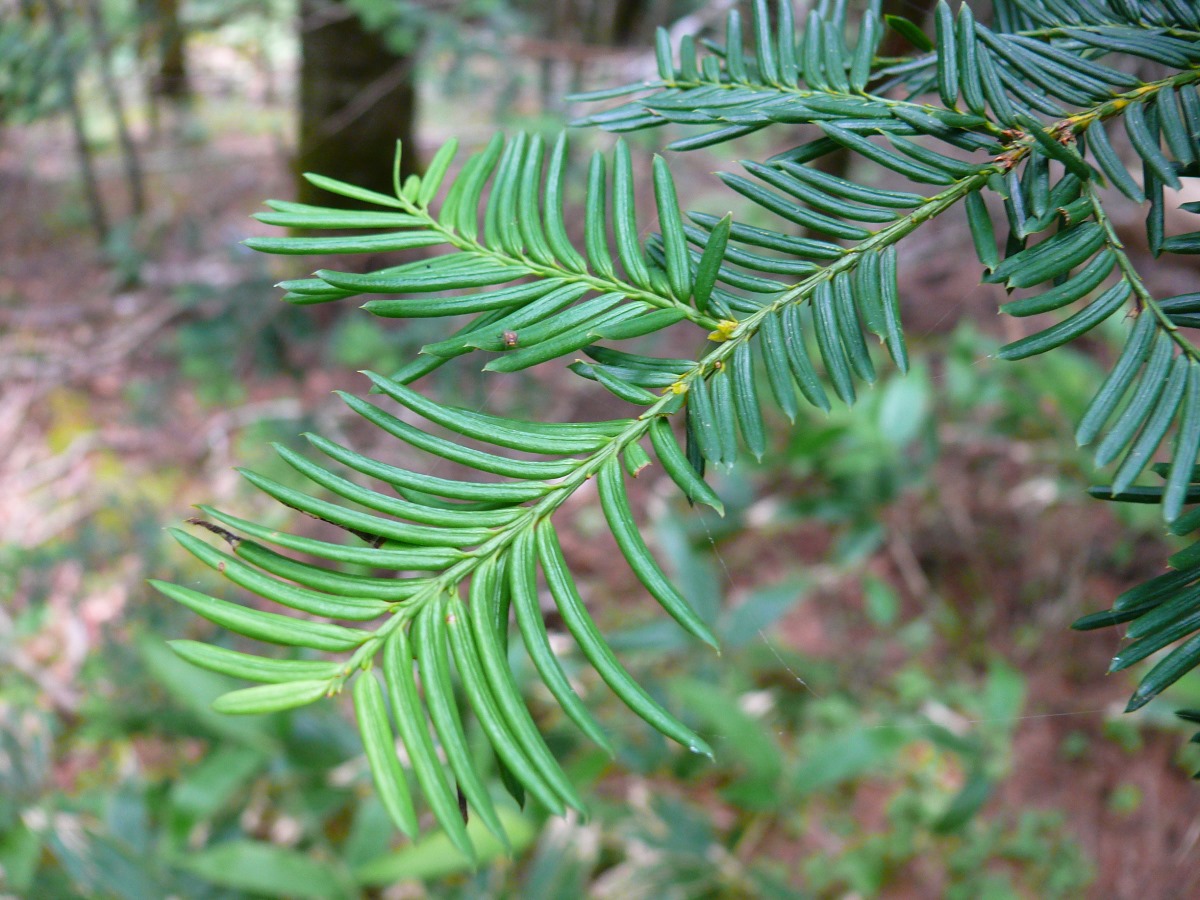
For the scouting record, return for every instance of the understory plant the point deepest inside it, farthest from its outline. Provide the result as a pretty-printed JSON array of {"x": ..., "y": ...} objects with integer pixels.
[{"x": 1032, "y": 129}]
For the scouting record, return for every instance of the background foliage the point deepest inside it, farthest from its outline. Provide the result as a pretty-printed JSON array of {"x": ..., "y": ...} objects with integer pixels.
[{"x": 870, "y": 714}]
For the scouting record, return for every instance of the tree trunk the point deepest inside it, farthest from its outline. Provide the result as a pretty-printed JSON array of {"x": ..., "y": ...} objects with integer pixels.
[
  {"x": 357, "y": 98},
  {"x": 173, "y": 81},
  {"x": 634, "y": 21},
  {"x": 162, "y": 47},
  {"x": 164, "y": 43},
  {"x": 108, "y": 82},
  {"x": 83, "y": 150}
]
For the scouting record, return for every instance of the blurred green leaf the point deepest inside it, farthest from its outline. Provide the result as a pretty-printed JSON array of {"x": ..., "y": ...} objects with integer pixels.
[
  {"x": 127, "y": 815},
  {"x": 738, "y": 738},
  {"x": 20, "y": 848},
  {"x": 561, "y": 865},
  {"x": 660, "y": 636},
  {"x": 762, "y": 608},
  {"x": 844, "y": 757},
  {"x": 370, "y": 833},
  {"x": 268, "y": 869},
  {"x": 1003, "y": 695},
  {"x": 904, "y": 407},
  {"x": 99, "y": 866},
  {"x": 208, "y": 787},
  {"x": 1125, "y": 799},
  {"x": 695, "y": 573},
  {"x": 434, "y": 856},
  {"x": 194, "y": 689},
  {"x": 881, "y": 602},
  {"x": 966, "y": 803}
]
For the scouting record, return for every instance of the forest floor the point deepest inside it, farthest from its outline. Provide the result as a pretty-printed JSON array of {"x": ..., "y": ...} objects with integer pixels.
[{"x": 133, "y": 380}]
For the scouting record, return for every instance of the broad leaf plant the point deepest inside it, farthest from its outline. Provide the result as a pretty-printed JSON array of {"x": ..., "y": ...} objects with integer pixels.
[{"x": 1031, "y": 128}]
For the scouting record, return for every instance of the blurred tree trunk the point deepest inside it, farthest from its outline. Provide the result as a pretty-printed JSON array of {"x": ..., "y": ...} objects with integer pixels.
[
  {"x": 112, "y": 93},
  {"x": 173, "y": 82},
  {"x": 83, "y": 150},
  {"x": 634, "y": 21},
  {"x": 357, "y": 98},
  {"x": 571, "y": 30},
  {"x": 162, "y": 46}
]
